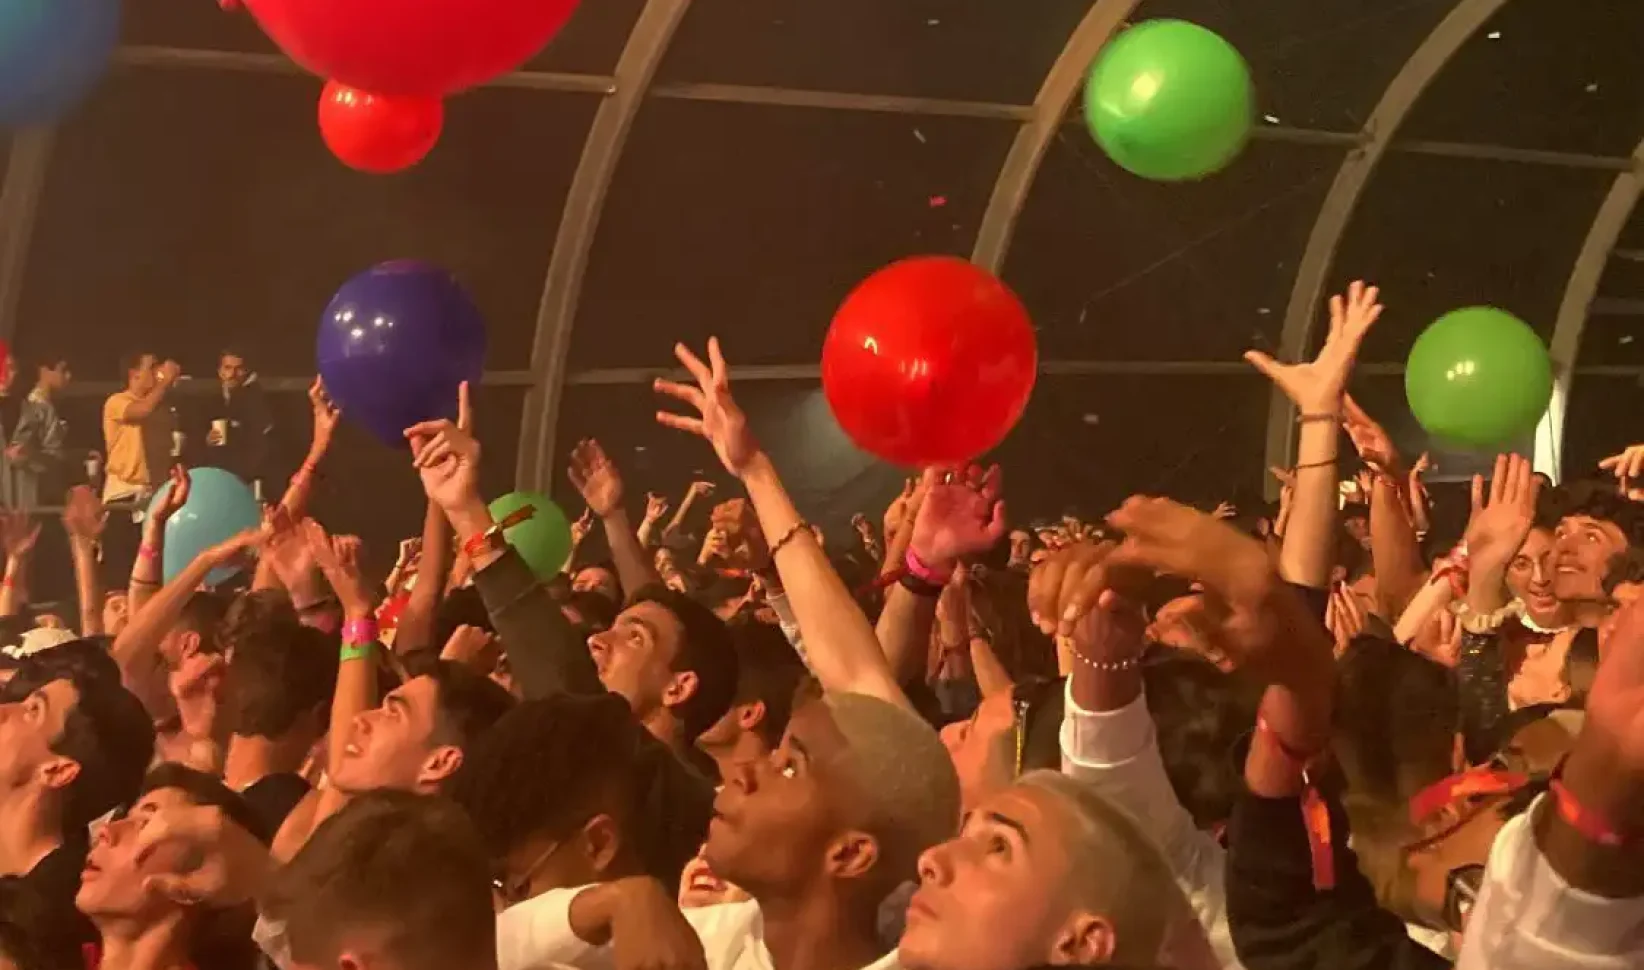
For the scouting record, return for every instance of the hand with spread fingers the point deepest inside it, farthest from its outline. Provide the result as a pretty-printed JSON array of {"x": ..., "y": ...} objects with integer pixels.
[
  {"x": 1316, "y": 386},
  {"x": 1503, "y": 519},
  {"x": 596, "y": 477},
  {"x": 721, "y": 421},
  {"x": 1370, "y": 440},
  {"x": 962, "y": 515},
  {"x": 1628, "y": 469}
]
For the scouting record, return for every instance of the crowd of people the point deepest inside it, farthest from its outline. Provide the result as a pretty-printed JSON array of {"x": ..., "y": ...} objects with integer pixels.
[{"x": 1330, "y": 738}]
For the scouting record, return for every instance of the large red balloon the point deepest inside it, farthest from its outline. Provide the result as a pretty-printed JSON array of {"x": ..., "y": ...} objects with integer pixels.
[
  {"x": 929, "y": 361},
  {"x": 427, "y": 47},
  {"x": 378, "y": 133}
]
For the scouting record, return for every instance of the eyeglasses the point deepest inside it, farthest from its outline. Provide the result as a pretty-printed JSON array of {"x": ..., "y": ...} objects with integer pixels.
[
  {"x": 1461, "y": 889},
  {"x": 518, "y": 890}
]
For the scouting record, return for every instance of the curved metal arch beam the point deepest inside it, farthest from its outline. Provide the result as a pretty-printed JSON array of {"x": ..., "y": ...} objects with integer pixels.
[
  {"x": 1336, "y": 211},
  {"x": 556, "y": 314},
  {"x": 1573, "y": 310},
  {"x": 1021, "y": 167}
]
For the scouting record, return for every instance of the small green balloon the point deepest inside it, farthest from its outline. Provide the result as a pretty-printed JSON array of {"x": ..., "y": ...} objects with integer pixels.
[
  {"x": 1478, "y": 378},
  {"x": 541, "y": 535},
  {"x": 1169, "y": 100}
]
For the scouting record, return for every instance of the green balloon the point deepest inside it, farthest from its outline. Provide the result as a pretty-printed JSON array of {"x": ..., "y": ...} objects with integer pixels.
[
  {"x": 1169, "y": 100},
  {"x": 1478, "y": 378},
  {"x": 541, "y": 534}
]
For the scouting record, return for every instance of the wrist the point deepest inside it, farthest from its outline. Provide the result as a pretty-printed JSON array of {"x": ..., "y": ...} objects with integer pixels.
[
  {"x": 617, "y": 518},
  {"x": 469, "y": 517},
  {"x": 758, "y": 469}
]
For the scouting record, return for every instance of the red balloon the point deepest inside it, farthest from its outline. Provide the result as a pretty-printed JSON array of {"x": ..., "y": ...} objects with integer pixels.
[
  {"x": 929, "y": 361},
  {"x": 378, "y": 133},
  {"x": 427, "y": 47}
]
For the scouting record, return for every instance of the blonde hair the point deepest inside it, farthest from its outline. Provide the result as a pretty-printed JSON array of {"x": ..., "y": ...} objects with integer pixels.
[{"x": 1116, "y": 872}]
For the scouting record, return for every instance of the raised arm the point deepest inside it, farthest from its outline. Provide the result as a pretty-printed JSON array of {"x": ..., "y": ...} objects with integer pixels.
[
  {"x": 1316, "y": 388},
  {"x": 599, "y": 481},
  {"x": 839, "y": 641},
  {"x": 83, "y": 520},
  {"x": 416, "y": 626},
  {"x": 326, "y": 416},
  {"x": 20, "y": 534},
  {"x": 1395, "y": 552},
  {"x": 145, "y": 404}
]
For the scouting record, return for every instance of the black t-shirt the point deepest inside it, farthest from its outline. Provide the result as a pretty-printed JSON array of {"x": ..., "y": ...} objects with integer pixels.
[
  {"x": 41, "y": 903},
  {"x": 271, "y": 798}
]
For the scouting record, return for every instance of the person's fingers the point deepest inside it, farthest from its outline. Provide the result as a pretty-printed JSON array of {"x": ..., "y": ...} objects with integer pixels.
[
  {"x": 428, "y": 429},
  {"x": 1498, "y": 479},
  {"x": 691, "y": 362},
  {"x": 465, "y": 408},
  {"x": 1044, "y": 586},
  {"x": 997, "y": 525},
  {"x": 684, "y": 392},
  {"x": 1614, "y": 462},
  {"x": 681, "y": 423},
  {"x": 435, "y": 451},
  {"x": 1269, "y": 367},
  {"x": 720, "y": 373},
  {"x": 184, "y": 890},
  {"x": 993, "y": 483},
  {"x": 1635, "y": 466}
]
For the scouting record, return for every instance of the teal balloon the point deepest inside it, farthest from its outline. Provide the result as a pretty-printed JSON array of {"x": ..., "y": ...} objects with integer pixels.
[
  {"x": 1169, "y": 100},
  {"x": 1478, "y": 378},
  {"x": 542, "y": 536},
  {"x": 219, "y": 507}
]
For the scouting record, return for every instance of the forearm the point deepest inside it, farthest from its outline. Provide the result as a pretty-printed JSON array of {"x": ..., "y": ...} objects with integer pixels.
[
  {"x": 416, "y": 626},
  {"x": 633, "y": 566},
  {"x": 679, "y": 514},
  {"x": 843, "y": 651},
  {"x": 1309, "y": 536},
  {"x": 88, "y": 591},
  {"x": 143, "y": 406},
  {"x": 301, "y": 487},
  {"x": 904, "y": 630},
  {"x": 1436, "y": 595},
  {"x": 1395, "y": 553},
  {"x": 14, "y": 588},
  {"x": 991, "y": 676}
]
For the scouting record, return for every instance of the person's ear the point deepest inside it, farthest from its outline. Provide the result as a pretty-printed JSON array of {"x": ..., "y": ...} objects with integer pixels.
[
  {"x": 681, "y": 688},
  {"x": 59, "y": 773},
  {"x": 750, "y": 716},
  {"x": 1086, "y": 940},
  {"x": 188, "y": 644},
  {"x": 602, "y": 843},
  {"x": 852, "y": 855},
  {"x": 440, "y": 764}
]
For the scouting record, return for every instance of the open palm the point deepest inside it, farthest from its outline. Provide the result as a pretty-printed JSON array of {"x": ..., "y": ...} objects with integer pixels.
[
  {"x": 961, "y": 515},
  {"x": 1316, "y": 387},
  {"x": 722, "y": 421}
]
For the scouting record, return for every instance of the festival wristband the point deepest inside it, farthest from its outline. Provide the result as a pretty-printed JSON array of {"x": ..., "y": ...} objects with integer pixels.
[
  {"x": 356, "y": 651},
  {"x": 359, "y": 631},
  {"x": 147, "y": 551},
  {"x": 918, "y": 569},
  {"x": 1591, "y": 825}
]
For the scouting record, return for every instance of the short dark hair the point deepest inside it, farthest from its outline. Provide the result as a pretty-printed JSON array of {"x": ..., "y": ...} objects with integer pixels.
[
  {"x": 1600, "y": 500},
  {"x": 1397, "y": 714},
  {"x": 768, "y": 672},
  {"x": 596, "y": 609},
  {"x": 111, "y": 737},
  {"x": 532, "y": 771},
  {"x": 1200, "y": 714},
  {"x": 469, "y": 703},
  {"x": 409, "y": 870},
  {"x": 206, "y": 791},
  {"x": 705, "y": 650},
  {"x": 280, "y": 669},
  {"x": 204, "y": 612},
  {"x": 134, "y": 360}
]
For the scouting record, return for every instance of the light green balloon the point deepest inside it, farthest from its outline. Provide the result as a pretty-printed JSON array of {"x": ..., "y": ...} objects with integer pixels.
[
  {"x": 1478, "y": 378},
  {"x": 1169, "y": 100},
  {"x": 543, "y": 538}
]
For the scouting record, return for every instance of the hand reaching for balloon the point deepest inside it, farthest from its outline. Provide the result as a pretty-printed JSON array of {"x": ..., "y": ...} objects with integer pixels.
[
  {"x": 1316, "y": 387},
  {"x": 175, "y": 498},
  {"x": 326, "y": 414},
  {"x": 1628, "y": 469},
  {"x": 1501, "y": 523},
  {"x": 447, "y": 457},
  {"x": 962, "y": 515},
  {"x": 596, "y": 477},
  {"x": 1371, "y": 441},
  {"x": 722, "y": 421}
]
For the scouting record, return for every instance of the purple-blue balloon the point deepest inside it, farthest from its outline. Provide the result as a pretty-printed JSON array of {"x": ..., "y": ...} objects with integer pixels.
[{"x": 394, "y": 344}]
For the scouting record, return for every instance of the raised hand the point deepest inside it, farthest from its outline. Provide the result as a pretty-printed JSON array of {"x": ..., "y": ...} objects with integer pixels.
[
  {"x": 1369, "y": 439},
  {"x": 581, "y": 527},
  {"x": 722, "y": 421},
  {"x": 962, "y": 515},
  {"x": 1420, "y": 502},
  {"x": 326, "y": 413},
  {"x": 1628, "y": 469},
  {"x": 339, "y": 559},
  {"x": 596, "y": 477},
  {"x": 176, "y": 496},
  {"x": 656, "y": 506},
  {"x": 83, "y": 514},
  {"x": 1316, "y": 387},
  {"x": 1502, "y": 520},
  {"x": 18, "y": 532},
  {"x": 896, "y": 513},
  {"x": 447, "y": 456}
]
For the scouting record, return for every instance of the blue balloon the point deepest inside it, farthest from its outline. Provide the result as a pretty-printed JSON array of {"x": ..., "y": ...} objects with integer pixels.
[
  {"x": 219, "y": 507},
  {"x": 51, "y": 53},
  {"x": 395, "y": 343}
]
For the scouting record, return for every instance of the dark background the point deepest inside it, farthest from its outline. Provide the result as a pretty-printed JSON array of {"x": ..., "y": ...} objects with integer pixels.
[{"x": 191, "y": 208}]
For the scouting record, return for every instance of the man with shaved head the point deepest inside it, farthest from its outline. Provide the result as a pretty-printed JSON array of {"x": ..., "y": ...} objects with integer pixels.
[{"x": 818, "y": 835}]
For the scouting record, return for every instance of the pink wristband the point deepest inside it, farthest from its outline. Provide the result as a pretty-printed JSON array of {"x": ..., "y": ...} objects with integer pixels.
[
  {"x": 146, "y": 551},
  {"x": 918, "y": 570},
  {"x": 358, "y": 632}
]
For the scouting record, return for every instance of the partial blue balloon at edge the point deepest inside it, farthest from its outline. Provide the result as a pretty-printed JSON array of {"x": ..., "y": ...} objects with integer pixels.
[
  {"x": 219, "y": 507},
  {"x": 51, "y": 54},
  {"x": 395, "y": 342}
]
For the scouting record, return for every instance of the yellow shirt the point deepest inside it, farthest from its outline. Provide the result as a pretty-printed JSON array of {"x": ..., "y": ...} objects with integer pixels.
[{"x": 139, "y": 452}]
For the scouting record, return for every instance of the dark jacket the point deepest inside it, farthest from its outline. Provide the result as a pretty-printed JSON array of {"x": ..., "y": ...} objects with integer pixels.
[
  {"x": 250, "y": 428},
  {"x": 1280, "y": 922},
  {"x": 547, "y": 657}
]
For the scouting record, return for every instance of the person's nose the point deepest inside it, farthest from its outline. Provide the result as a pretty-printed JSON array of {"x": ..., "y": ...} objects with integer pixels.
[
  {"x": 936, "y": 865},
  {"x": 744, "y": 776}
]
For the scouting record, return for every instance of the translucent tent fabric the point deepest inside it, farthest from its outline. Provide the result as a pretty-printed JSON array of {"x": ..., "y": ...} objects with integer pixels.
[{"x": 668, "y": 169}]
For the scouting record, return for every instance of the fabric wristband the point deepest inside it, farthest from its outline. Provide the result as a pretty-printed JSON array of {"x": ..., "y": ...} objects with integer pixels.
[
  {"x": 359, "y": 632},
  {"x": 920, "y": 570}
]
